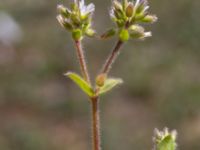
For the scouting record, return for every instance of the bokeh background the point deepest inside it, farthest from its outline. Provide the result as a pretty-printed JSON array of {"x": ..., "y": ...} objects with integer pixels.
[{"x": 40, "y": 109}]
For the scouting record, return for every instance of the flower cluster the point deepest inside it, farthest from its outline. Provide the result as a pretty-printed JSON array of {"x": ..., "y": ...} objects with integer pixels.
[
  {"x": 77, "y": 19},
  {"x": 128, "y": 15}
]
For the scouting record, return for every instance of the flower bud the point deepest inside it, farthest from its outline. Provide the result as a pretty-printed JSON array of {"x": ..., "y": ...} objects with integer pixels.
[
  {"x": 75, "y": 20},
  {"x": 140, "y": 16},
  {"x": 100, "y": 79},
  {"x": 63, "y": 11},
  {"x": 64, "y": 23},
  {"x": 118, "y": 14},
  {"x": 129, "y": 10},
  {"x": 120, "y": 23},
  {"x": 77, "y": 34},
  {"x": 124, "y": 4},
  {"x": 67, "y": 25},
  {"x": 136, "y": 28},
  {"x": 74, "y": 7},
  {"x": 90, "y": 32},
  {"x": 85, "y": 17},
  {"x": 149, "y": 19},
  {"x": 141, "y": 6},
  {"x": 117, "y": 5},
  {"x": 109, "y": 33},
  {"x": 124, "y": 35},
  {"x": 141, "y": 35},
  {"x": 86, "y": 26},
  {"x": 60, "y": 19},
  {"x": 137, "y": 32}
]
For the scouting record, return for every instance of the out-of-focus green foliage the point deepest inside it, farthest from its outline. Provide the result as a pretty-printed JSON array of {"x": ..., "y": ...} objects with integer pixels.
[{"x": 40, "y": 109}]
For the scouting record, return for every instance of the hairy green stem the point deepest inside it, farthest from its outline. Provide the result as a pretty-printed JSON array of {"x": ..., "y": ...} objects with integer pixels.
[
  {"x": 96, "y": 139},
  {"x": 82, "y": 62},
  {"x": 112, "y": 57}
]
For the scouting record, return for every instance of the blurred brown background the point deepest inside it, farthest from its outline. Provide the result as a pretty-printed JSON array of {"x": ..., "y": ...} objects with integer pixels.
[{"x": 40, "y": 109}]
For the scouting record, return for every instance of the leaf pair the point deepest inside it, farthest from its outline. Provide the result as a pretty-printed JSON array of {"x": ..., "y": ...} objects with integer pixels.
[{"x": 109, "y": 84}]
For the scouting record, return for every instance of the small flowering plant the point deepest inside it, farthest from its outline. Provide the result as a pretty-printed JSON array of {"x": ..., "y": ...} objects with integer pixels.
[{"x": 128, "y": 17}]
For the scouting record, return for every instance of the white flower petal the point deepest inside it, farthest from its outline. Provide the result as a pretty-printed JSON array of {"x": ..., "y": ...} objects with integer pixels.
[
  {"x": 147, "y": 34},
  {"x": 90, "y": 7},
  {"x": 137, "y": 3},
  {"x": 60, "y": 19},
  {"x": 146, "y": 8},
  {"x": 75, "y": 2},
  {"x": 112, "y": 13},
  {"x": 81, "y": 4}
]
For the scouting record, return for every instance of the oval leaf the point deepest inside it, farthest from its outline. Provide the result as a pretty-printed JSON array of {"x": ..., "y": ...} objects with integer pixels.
[
  {"x": 81, "y": 83},
  {"x": 109, "y": 84}
]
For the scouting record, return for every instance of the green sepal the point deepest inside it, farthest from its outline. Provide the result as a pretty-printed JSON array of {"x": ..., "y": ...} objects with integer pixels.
[
  {"x": 109, "y": 84},
  {"x": 85, "y": 87}
]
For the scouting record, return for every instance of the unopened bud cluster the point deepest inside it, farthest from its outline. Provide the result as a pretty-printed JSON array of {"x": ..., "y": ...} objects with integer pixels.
[
  {"x": 77, "y": 19},
  {"x": 129, "y": 15}
]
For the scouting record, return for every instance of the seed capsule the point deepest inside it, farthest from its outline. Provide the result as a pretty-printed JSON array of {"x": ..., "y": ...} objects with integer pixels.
[{"x": 129, "y": 10}]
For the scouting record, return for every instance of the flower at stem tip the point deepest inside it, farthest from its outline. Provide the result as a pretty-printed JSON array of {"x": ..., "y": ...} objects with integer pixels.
[
  {"x": 77, "y": 19},
  {"x": 131, "y": 13}
]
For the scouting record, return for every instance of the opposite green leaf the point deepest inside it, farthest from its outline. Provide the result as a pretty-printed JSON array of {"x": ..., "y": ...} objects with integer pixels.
[
  {"x": 109, "y": 84},
  {"x": 81, "y": 83}
]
